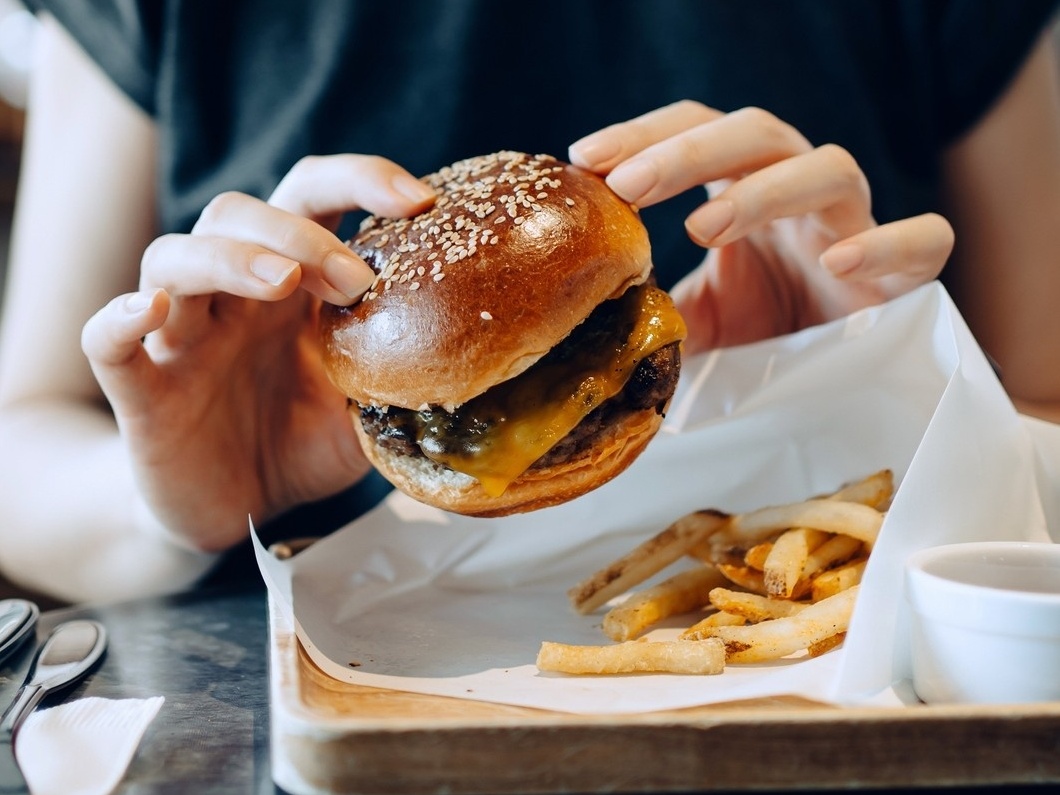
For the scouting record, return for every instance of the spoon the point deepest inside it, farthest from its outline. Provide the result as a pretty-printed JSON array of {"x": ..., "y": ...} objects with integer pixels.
[
  {"x": 18, "y": 617},
  {"x": 68, "y": 653}
]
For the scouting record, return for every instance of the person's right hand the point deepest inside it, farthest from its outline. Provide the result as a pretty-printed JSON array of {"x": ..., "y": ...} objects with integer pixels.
[
  {"x": 213, "y": 368},
  {"x": 788, "y": 227}
]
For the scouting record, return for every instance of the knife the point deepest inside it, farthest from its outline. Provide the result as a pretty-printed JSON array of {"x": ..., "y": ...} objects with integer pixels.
[
  {"x": 18, "y": 618},
  {"x": 67, "y": 654}
]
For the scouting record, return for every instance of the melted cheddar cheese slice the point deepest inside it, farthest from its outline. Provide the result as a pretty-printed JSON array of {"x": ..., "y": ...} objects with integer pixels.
[{"x": 498, "y": 435}]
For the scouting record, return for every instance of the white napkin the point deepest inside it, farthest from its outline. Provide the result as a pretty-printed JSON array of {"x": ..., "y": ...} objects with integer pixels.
[{"x": 82, "y": 747}]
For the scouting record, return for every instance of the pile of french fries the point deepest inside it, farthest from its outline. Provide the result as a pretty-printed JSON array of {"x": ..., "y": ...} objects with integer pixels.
[{"x": 769, "y": 583}]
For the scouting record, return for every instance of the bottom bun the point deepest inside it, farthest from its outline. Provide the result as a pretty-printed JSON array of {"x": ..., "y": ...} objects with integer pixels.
[{"x": 433, "y": 484}]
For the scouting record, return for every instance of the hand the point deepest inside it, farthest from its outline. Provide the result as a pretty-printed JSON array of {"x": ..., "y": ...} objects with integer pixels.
[
  {"x": 791, "y": 235},
  {"x": 225, "y": 407}
]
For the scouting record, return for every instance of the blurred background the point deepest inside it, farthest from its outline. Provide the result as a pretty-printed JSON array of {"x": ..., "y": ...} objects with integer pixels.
[
  {"x": 16, "y": 54},
  {"x": 16, "y": 47}
]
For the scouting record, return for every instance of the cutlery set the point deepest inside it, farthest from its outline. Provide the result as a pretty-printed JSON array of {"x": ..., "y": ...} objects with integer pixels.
[{"x": 66, "y": 655}]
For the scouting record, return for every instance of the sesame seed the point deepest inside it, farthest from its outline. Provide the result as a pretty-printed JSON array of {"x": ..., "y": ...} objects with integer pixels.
[
  {"x": 501, "y": 186},
  {"x": 485, "y": 316}
]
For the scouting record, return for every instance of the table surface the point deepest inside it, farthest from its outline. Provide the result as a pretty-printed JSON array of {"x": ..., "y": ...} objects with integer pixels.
[{"x": 207, "y": 653}]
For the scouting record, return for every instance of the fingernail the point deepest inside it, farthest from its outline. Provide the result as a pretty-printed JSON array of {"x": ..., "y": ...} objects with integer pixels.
[
  {"x": 633, "y": 179},
  {"x": 412, "y": 189},
  {"x": 843, "y": 258},
  {"x": 272, "y": 268},
  {"x": 595, "y": 149},
  {"x": 347, "y": 274},
  {"x": 710, "y": 220},
  {"x": 138, "y": 303}
]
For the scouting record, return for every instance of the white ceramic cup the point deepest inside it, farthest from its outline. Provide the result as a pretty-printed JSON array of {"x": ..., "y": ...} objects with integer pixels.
[{"x": 985, "y": 622}]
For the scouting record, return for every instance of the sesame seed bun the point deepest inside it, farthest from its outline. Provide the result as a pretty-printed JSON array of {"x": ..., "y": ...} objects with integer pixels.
[
  {"x": 463, "y": 302},
  {"x": 516, "y": 253}
]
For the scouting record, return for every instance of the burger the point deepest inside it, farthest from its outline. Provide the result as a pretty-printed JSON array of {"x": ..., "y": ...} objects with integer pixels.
[{"x": 513, "y": 352}]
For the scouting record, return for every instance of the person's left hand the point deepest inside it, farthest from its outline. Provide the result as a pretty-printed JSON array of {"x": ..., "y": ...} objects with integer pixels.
[{"x": 789, "y": 226}]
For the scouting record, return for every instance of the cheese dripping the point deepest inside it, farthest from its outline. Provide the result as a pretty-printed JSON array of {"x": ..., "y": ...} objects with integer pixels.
[{"x": 498, "y": 435}]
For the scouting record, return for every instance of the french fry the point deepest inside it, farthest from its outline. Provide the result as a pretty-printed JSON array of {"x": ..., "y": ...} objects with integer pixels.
[
  {"x": 649, "y": 558},
  {"x": 831, "y": 582},
  {"x": 829, "y": 643},
  {"x": 783, "y": 566},
  {"x": 634, "y": 656},
  {"x": 719, "y": 618},
  {"x": 756, "y": 556},
  {"x": 747, "y": 578},
  {"x": 876, "y": 490},
  {"x": 753, "y": 607},
  {"x": 835, "y": 550},
  {"x": 681, "y": 593},
  {"x": 832, "y": 516},
  {"x": 772, "y": 640}
]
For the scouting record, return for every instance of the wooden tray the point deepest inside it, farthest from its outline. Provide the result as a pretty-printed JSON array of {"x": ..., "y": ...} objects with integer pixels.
[{"x": 331, "y": 737}]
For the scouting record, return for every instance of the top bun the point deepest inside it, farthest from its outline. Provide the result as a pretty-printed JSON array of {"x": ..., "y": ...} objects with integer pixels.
[{"x": 517, "y": 251}]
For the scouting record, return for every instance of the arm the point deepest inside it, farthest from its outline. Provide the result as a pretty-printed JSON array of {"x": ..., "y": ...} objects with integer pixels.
[
  {"x": 204, "y": 398},
  {"x": 1003, "y": 183},
  {"x": 74, "y": 525}
]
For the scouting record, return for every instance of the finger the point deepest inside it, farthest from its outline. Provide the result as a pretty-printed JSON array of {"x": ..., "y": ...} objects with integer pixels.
[
  {"x": 324, "y": 187},
  {"x": 603, "y": 150},
  {"x": 725, "y": 147},
  {"x": 196, "y": 271},
  {"x": 826, "y": 182},
  {"x": 199, "y": 265},
  {"x": 329, "y": 269},
  {"x": 111, "y": 340},
  {"x": 909, "y": 252}
]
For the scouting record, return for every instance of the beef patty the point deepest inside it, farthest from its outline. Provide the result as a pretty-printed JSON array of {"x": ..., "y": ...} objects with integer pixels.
[{"x": 650, "y": 386}]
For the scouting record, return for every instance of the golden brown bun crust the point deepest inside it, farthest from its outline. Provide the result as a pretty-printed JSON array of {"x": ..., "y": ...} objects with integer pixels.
[
  {"x": 434, "y": 484},
  {"x": 515, "y": 253}
]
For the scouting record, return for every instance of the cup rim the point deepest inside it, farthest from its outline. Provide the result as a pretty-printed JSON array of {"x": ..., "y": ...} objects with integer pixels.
[
  {"x": 922, "y": 559},
  {"x": 981, "y": 606}
]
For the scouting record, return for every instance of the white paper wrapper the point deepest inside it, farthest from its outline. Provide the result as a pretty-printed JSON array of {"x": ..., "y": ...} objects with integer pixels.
[{"x": 411, "y": 598}]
